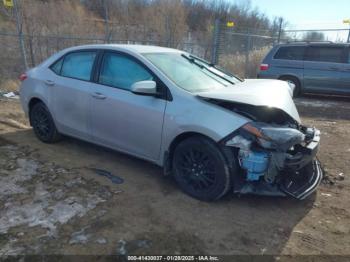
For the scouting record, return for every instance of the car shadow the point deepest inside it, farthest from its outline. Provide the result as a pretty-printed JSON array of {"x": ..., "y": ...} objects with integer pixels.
[
  {"x": 321, "y": 97},
  {"x": 324, "y": 107},
  {"x": 152, "y": 207}
]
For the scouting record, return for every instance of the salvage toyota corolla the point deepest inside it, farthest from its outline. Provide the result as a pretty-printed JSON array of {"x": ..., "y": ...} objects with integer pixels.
[{"x": 212, "y": 131}]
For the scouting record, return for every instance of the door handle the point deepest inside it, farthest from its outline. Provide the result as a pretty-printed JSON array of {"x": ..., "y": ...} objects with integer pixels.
[
  {"x": 98, "y": 95},
  {"x": 49, "y": 82}
]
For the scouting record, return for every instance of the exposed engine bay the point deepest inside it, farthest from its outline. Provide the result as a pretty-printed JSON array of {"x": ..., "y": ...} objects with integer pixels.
[{"x": 276, "y": 154}]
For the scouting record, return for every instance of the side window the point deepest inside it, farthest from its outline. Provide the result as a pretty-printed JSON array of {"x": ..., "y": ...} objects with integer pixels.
[
  {"x": 56, "y": 67},
  {"x": 120, "y": 71},
  {"x": 78, "y": 65},
  {"x": 290, "y": 53},
  {"x": 325, "y": 54}
]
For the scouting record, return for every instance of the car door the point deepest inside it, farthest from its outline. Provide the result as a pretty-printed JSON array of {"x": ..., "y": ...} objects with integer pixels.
[
  {"x": 71, "y": 92},
  {"x": 121, "y": 119},
  {"x": 345, "y": 75},
  {"x": 322, "y": 68},
  {"x": 288, "y": 60}
]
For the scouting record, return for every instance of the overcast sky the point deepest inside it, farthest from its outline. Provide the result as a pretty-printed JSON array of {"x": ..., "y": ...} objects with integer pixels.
[{"x": 309, "y": 14}]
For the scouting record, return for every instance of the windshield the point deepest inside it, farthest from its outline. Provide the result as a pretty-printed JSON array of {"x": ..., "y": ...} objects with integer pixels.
[{"x": 191, "y": 73}]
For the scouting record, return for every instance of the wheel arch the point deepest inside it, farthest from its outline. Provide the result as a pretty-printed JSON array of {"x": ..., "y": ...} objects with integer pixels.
[
  {"x": 168, "y": 154},
  {"x": 228, "y": 153},
  {"x": 284, "y": 76},
  {"x": 299, "y": 86}
]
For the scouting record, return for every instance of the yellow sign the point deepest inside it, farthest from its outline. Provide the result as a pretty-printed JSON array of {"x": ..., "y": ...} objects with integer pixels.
[
  {"x": 8, "y": 3},
  {"x": 346, "y": 21},
  {"x": 230, "y": 24}
]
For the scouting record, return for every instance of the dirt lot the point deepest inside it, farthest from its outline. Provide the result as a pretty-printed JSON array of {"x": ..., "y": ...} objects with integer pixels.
[{"x": 51, "y": 202}]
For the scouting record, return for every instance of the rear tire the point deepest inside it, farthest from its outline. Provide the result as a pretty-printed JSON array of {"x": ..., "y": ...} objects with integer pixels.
[
  {"x": 296, "y": 82},
  {"x": 43, "y": 124},
  {"x": 200, "y": 169}
]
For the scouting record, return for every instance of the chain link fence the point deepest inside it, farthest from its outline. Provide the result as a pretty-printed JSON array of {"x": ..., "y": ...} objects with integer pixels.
[
  {"x": 239, "y": 52},
  {"x": 242, "y": 52},
  {"x": 39, "y": 47},
  {"x": 10, "y": 62}
]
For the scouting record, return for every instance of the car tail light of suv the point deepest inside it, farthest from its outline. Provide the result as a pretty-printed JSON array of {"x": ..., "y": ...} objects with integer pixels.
[
  {"x": 23, "y": 77},
  {"x": 264, "y": 67}
]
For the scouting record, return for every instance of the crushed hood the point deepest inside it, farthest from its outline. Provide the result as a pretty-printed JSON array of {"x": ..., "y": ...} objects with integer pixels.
[{"x": 258, "y": 92}]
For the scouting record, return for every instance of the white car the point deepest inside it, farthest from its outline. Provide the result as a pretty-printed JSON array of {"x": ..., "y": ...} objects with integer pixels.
[{"x": 212, "y": 131}]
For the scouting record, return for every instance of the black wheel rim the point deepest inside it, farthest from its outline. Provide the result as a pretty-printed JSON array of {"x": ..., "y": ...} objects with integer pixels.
[
  {"x": 197, "y": 169},
  {"x": 41, "y": 123}
]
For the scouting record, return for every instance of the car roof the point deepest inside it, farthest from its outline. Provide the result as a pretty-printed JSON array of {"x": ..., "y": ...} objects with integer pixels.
[
  {"x": 128, "y": 48},
  {"x": 141, "y": 49},
  {"x": 311, "y": 43}
]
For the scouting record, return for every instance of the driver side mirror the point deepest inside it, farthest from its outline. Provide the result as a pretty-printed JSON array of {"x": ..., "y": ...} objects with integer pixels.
[{"x": 146, "y": 88}]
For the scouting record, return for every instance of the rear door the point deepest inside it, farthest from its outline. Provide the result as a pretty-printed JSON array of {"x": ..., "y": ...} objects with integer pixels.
[
  {"x": 286, "y": 60},
  {"x": 121, "y": 119},
  {"x": 289, "y": 58},
  {"x": 323, "y": 66},
  {"x": 345, "y": 75},
  {"x": 71, "y": 92}
]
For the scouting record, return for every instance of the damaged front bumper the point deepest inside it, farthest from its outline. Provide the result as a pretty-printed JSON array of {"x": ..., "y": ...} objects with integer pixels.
[
  {"x": 303, "y": 182},
  {"x": 277, "y": 161},
  {"x": 303, "y": 170}
]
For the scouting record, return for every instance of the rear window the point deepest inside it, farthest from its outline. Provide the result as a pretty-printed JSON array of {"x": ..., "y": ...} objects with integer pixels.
[
  {"x": 290, "y": 53},
  {"x": 56, "y": 67},
  {"x": 78, "y": 65},
  {"x": 325, "y": 54}
]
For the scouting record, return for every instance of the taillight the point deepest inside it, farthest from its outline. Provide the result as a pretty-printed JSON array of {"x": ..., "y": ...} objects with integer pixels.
[
  {"x": 264, "y": 67},
  {"x": 23, "y": 77}
]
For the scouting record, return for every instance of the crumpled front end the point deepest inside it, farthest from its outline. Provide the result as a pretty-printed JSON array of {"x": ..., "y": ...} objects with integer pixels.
[{"x": 276, "y": 160}]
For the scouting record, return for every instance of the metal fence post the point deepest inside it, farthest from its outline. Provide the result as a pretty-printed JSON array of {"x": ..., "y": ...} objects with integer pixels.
[
  {"x": 167, "y": 32},
  {"x": 280, "y": 30},
  {"x": 20, "y": 35},
  {"x": 106, "y": 22},
  {"x": 248, "y": 44},
  {"x": 216, "y": 42}
]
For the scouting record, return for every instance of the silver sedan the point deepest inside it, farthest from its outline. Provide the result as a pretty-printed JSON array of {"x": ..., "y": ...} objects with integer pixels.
[{"x": 212, "y": 131}]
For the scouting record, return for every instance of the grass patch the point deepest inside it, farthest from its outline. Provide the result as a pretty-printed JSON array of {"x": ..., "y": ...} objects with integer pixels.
[
  {"x": 235, "y": 63},
  {"x": 9, "y": 85}
]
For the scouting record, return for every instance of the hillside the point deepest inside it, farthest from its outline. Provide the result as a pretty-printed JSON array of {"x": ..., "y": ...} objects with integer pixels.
[{"x": 183, "y": 24}]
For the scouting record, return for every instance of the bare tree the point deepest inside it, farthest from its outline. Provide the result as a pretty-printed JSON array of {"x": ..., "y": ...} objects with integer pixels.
[{"x": 314, "y": 36}]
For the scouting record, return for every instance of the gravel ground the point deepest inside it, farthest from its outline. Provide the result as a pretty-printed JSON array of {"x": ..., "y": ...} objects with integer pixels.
[{"x": 52, "y": 202}]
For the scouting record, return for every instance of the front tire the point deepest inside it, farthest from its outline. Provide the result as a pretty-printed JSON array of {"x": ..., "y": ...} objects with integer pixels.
[
  {"x": 43, "y": 124},
  {"x": 200, "y": 169}
]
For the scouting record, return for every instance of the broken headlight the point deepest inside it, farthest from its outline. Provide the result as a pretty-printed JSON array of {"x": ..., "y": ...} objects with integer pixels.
[{"x": 271, "y": 137}]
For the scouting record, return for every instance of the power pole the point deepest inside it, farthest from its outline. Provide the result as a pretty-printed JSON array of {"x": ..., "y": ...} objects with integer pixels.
[
  {"x": 106, "y": 21},
  {"x": 280, "y": 30},
  {"x": 215, "y": 52},
  {"x": 347, "y": 21},
  {"x": 20, "y": 34}
]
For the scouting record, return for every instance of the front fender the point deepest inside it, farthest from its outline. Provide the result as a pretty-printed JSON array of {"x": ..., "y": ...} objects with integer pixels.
[{"x": 198, "y": 116}]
